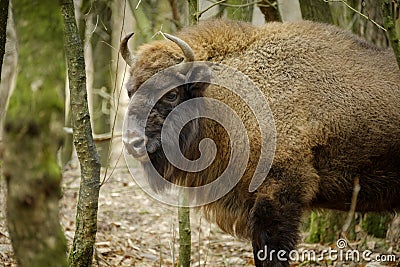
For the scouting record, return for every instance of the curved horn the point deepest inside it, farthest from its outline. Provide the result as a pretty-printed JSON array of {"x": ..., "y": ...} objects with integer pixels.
[
  {"x": 186, "y": 49},
  {"x": 124, "y": 50}
]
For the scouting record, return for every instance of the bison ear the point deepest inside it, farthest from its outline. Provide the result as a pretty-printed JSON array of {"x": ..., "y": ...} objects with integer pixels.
[{"x": 198, "y": 79}]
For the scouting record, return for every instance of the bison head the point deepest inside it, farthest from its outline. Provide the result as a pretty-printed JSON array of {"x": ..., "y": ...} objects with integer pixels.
[{"x": 153, "y": 97}]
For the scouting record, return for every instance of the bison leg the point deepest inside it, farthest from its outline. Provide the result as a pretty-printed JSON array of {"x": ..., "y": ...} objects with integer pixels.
[{"x": 274, "y": 223}]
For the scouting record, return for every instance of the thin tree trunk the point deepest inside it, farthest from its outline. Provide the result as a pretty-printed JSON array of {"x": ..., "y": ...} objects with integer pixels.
[
  {"x": 393, "y": 234},
  {"x": 289, "y": 10},
  {"x": 86, "y": 218},
  {"x": 193, "y": 12},
  {"x": 9, "y": 72},
  {"x": 176, "y": 17},
  {"x": 388, "y": 11},
  {"x": 183, "y": 8},
  {"x": 101, "y": 60},
  {"x": 185, "y": 241},
  {"x": 344, "y": 17},
  {"x": 240, "y": 9},
  {"x": 316, "y": 10},
  {"x": 68, "y": 147},
  {"x": 149, "y": 20},
  {"x": 33, "y": 134},
  {"x": 270, "y": 10},
  {"x": 3, "y": 29},
  {"x": 366, "y": 28},
  {"x": 185, "y": 235}
]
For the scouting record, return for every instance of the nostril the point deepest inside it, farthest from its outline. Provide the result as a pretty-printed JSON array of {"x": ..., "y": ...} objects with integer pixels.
[
  {"x": 138, "y": 143},
  {"x": 135, "y": 145}
]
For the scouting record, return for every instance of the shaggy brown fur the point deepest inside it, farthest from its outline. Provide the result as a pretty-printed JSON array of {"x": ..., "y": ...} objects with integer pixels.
[{"x": 336, "y": 105}]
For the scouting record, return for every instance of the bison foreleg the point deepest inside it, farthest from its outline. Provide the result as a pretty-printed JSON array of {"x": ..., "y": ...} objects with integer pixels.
[{"x": 274, "y": 223}]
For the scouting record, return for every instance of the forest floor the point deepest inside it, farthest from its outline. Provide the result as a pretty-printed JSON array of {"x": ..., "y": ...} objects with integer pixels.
[{"x": 136, "y": 230}]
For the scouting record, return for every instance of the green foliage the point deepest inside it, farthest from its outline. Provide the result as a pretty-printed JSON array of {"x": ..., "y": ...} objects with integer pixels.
[
  {"x": 325, "y": 226},
  {"x": 376, "y": 224}
]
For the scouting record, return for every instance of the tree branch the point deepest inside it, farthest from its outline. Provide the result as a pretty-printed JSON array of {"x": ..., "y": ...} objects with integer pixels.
[
  {"x": 358, "y": 12},
  {"x": 353, "y": 206}
]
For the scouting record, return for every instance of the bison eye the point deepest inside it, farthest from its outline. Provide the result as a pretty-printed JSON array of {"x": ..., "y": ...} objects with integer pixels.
[{"x": 171, "y": 96}]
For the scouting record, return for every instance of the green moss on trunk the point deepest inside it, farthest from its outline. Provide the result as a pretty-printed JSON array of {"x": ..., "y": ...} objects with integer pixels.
[{"x": 33, "y": 135}]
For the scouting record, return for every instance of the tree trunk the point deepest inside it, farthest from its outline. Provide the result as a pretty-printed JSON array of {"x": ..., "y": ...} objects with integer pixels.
[
  {"x": 86, "y": 218},
  {"x": 193, "y": 11},
  {"x": 185, "y": 235},
  {"x": 67, "y": 149},
  {"x": 316, "y": 10},
  {"x": 100, "y": 40},
  {"x": 270, "y": 10},
  {"x": 369, "y": 30},
  {"x": 148, "y": 20},
  {"x": 3, "y": 29},
  {"x": 33, "y": 134},
  {"x": 185, "y": 241},
  {"x": 393, "y": 234},
  {"x": 9, "y": 71},
  {"x": 388, "y": 11},
  {"x": 344, "y": 17},
  {"x": 240, "y": 9},
  {"x": 176, "y": 13},
  {"x": 289, "y": 10}
]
